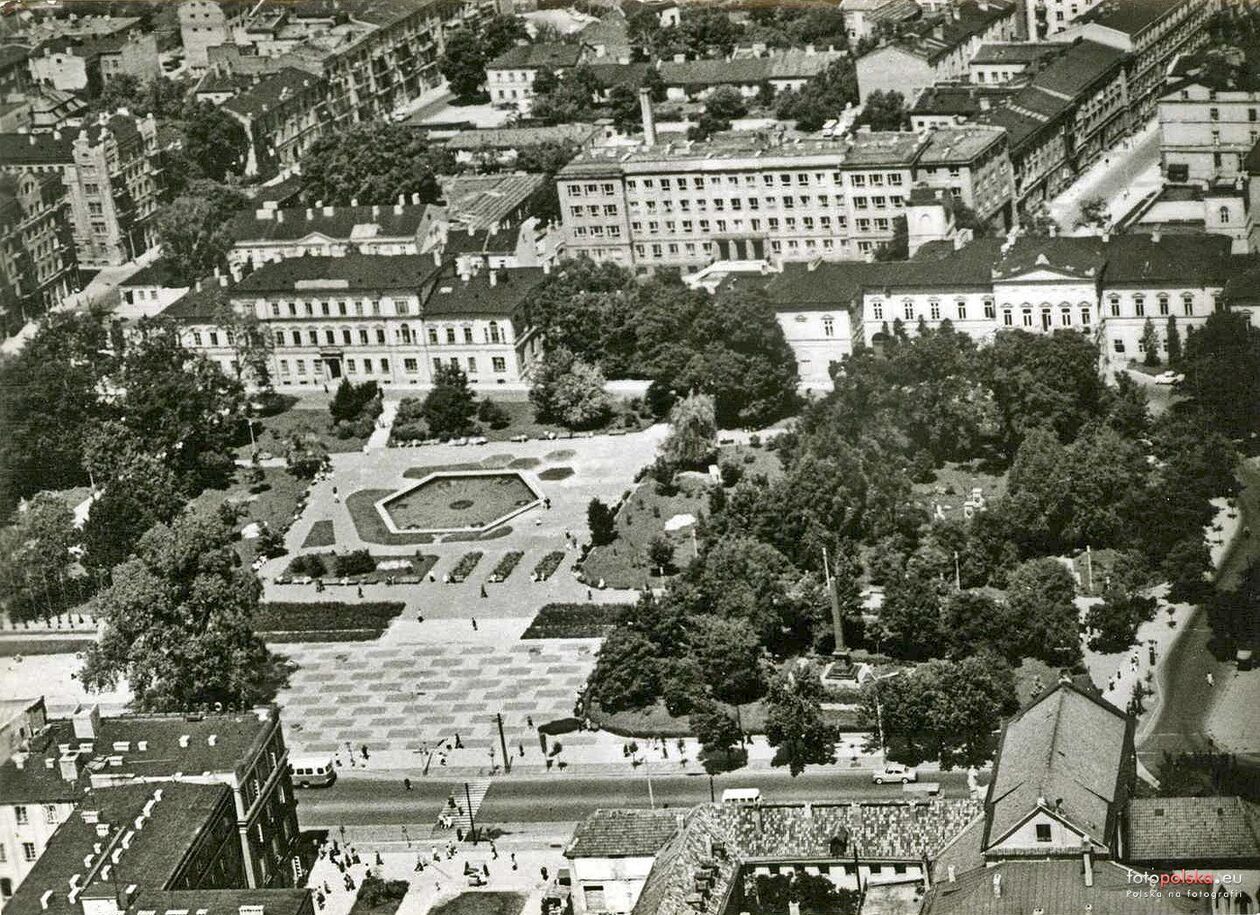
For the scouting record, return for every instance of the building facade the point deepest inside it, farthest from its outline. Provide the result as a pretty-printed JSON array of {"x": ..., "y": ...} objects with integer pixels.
[
  {"x": 1209, "y": 116},
  {"x": 38, "y": 265},
  {"x": 282, "y": 116},
  {"x": 510, "y": 76}
]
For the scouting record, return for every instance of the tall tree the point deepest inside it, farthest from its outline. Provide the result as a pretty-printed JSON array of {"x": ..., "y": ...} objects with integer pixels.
[
  {"x": 35, "y": 559},
  {"x": 1222, "y": 372},
  {"x": 692, "y": 439},
  {"x": 195, "y": 229},
  {"x": 214, "y": 141},
  {"x": 795, "y": 725},
  {"x": 463, "y": 63},
  {"x": 626, "y": 673},
  {"x": 1149, "y": 344},
  {"x": 1043, "y": 617},
  {"x": 569, "y": 391},
  {"x": 885, "y": 111},
  {"x": 1173, "y": 336},
  {"x": 144, "y": 492},
  {"x": 176, "y": 622},
  {"x": 371, "y": 163},
  {"x": 731, "y": 659},
  {"x": 450, "y": 406},
  {"x": 718, "y": 732}
]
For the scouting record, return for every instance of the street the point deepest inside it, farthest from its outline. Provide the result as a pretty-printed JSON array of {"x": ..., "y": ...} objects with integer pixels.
[
  {"x": 1122, "y": 178},
  {"x": 354, "y": 801}
]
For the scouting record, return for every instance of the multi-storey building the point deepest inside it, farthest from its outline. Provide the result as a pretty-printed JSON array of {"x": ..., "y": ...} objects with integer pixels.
[
  {"x": 15, "y": 73},
  {"x": 389, "y": 319},
  {"x": 37, "y": 258},
  {"x": 88, "y": 65},
  {"x": 687, "y": 205},
  {"x": 282, "y": 116},
  {"x": 936, "y": 50},
  {"x": 1010, "y": 62},
  {"x": 864, "y": 18},
  {"x": 784, "y": 71},
  {"x": 206, "y": 24},
  {"x": 1047, "y": 18},
  {"x": 1209, "y": 115},
  {"x": 1154, "y": 32},
  {"x": 510, "y": 76},
  {"x": 230, "y": 773}
]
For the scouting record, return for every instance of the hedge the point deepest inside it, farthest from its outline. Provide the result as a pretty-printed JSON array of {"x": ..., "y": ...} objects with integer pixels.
[
  {"x": 548, "y": 564},
  {"x": 575, "y": 621},
  {"x": 464, "y": 567},
  {"x": 506, "y": 565},
  {"x": 325, "y": 616}
]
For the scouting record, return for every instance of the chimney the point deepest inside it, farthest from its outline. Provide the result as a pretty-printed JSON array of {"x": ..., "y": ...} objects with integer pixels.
[
  {"x": 354, "y": 201},
  {"x": 997, "y": 886},
  {"x": 68, "y": 764},
  {"x": 437, "y": 257},
  {"x": 546, "y": 268},
  {"x": 212, "y": 740},
  {"x": 87, "y": 722},
  {"x": 1088, "y": 859},
  {"x": 43, "y": 900},
  {"x": 494, "y": 277},
  {"x": 415, "y": 199},
  {"x": 649, "y": 120},
  {"x": 183, "y": 738},
  {"x": 376, "y": 209},
  {"x": 402, "y": 200},
  {"x": 197, "y": 284},
  {"x": 330, "y": 211},
  {"x": 310, "y": 214}
]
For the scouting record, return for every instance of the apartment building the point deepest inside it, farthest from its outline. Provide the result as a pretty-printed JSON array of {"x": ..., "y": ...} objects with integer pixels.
[
  {"x": 38, "y": 266},
  {"x": 1047, "y": 18},
  {"x": 225, "y": 775},
  {"x": 510, "y": 76},
  {"x": 784, "y": 71},
  {"x": 367, "y": 317},
  {"x": 937, "y": 49},
  {"x": 864, "y": 18},
  {"x": 206, "y": 24},
  {"x": 87, "y": 65},
  {"x": 687, "y": 205},
  {"x": 1209, "y": 115},
  {"x": 282, "y": 116},
  {"x": 1154, "y": 32},
  {"x": 1010, "y": 62}
]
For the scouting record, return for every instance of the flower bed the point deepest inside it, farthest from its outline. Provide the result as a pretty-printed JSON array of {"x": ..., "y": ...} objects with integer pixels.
[
  {"x": 548, "y": 564},
  {"x": 505, "y": 566},
  {"x": 464, "y": 567},
  {"x": 315, "y": 616},
  {"x": 575, "y": 621},
  {"x": 352, "y": 567}
]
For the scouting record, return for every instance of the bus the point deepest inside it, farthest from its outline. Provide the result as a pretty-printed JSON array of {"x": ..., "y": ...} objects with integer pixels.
[
  {"x": 741, "y": 796},
  {"x": 312, "y": 771}
]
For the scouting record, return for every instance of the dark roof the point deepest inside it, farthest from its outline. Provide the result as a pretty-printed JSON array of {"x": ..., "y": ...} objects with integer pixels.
[
  {"x": 199, "y": 304},
  {"x": 1068, "y": 750},
  {"x": 236, "y": 738},
  {"x": 1193, "y": 829},
  {"x": 222, "y": 902},
  {"x": 271, "y": 92},
  {"x": 973, "y": 18},
  {"x": 1221, "y": 68},
  {"x": 1016, "y": 52},
  {"x": 1190, "y": 260},
  {"x": 453, "y": 297},
  {"x": 529, "y": 56},
  {"x": 622, "y": 834},
  {"x": 714, "y": 72},
  {"x": 34, "y": 149},
  {"x": 1129, "y": 16},
  {"x": 1056, "y": 887},
  {"x": 334, "y": 222},
  {"x": 13, "y": 55},
  {"x": 962, "y": 100},
  {"x": 1080, "y": 257},
  {"x": 352, "y": 273},
  {"x": 1079, "y": 67},
  {"x": 516, "y": 137},
  {"x": 160, "y": 273},
  {"x": 608, "y": 75},
  {"x": 154, "y": 854}
]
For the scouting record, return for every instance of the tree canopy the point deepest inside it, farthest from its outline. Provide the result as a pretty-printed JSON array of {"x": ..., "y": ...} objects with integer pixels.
[{"x": 372, "y": 163}]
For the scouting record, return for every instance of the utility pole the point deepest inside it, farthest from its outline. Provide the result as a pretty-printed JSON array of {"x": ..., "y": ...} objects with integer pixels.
[
  {"x": 957, "y": 573},
  {"x": 472, "y": 822},
  {"x": 712, "y": 795},
  {"x": 647, "y": 768},
  {"x": 507, "y": 760}
]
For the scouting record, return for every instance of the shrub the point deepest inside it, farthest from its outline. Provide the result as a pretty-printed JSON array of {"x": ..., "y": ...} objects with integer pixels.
[
  {"x": 377, "y": 893},
  {"x": 732, "y": 474},
  {"x": 358, "y": 562},
  {"x": 352, "y": 401},
  {"x": 309, "y": 564},
  {"x": 661, "y": 554},
  {"x": 602, "y": 523},
  {"x": 270, "y": 542},
  {"x": 660, "y": 398},
  {"x": 493, "y": 415},
  {"x": 324, "y": 615},
  {"x": 464, "y": 567},
  {"x": 505, "y": 565},
  {"x": 548, "y": 564}
]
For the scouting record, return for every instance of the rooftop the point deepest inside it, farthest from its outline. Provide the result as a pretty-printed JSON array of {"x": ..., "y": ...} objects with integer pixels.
[
  {"x": 935, "y": 38},
  {"x": 1186, "y": 829},
  {"x": 1223, "y": 69},
  {"x": 960, "y": 144},
  {"x": 480, "y": 201},
  {"x": 351, "y": 273},
  {"x": 491, "y": 293},
  {"x": 516, "y": 137},
  {"x": 960, "y": 100},
  {"x": 222, "y": 902},
  {"x": 1016, "y": 52},
  {"x": 271, "y": 92},
  {"x": 159, "y": 273},
  {"x": 34, "y": 148},
  {"x": 623, "y": 834},
  {"x": 532, "y": 56},
  {"x": 1129, "y": 16},
  {"x": 336, "y": 223}
]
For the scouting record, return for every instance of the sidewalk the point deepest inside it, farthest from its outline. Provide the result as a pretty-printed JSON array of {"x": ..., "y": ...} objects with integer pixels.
[
  {"x": 1122, "y": 177},
  {"x": 379, "y": 439}
]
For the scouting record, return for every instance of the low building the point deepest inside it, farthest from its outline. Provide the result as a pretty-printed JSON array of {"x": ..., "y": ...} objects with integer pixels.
[
  {"x": 948, "y": 105},
  {"x": 150, "y": 290},
  {"x": 503, "y": 145},
  {"x": 1010, "y": 62},
  {"x": 510, "y": 76},
  {"x": 206, "y": 24},
  {"x": 864, "y": 20},
  {"x": 937, "y": 49},
  {"x": 88, "y": 65},
  {"x": 611, "y": 854},
  {"x": 783, "y": 71},
  {"x": 209, "y": 798},
  {"x": 367, "y": 317},
  {"x": 272, "y": 233},
  {"x": 1209, "y": 115},
  {"x": 1167, "y": 833},
  {"x": 282, "y": 116}
]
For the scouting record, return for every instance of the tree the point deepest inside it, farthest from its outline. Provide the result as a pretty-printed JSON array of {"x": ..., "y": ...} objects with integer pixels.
[
  {"x": 1185, "y": 567},
  {"x": 35, "y": 559},
  {"x": 568, "y": 391},
  {"x": 1221, "y": 365},
  {"x": 176, "y": 622},
  {"x": 1043, "y": 617},
  {"x": 885, "y": 111},
  {"x": 372, "y": 162},
  {"x": 305, "y": 454},
  {"x": 350, "y": 400},
  {"x": 572, "y": 99},
  {"x": 731, "y": 659},
  {"x": 626, "y": 673},
  {"x": 692, "y": 439},
  {"x": 946, "y": 711},
  {"x": 463, "y": 63},
  {"x": 740, "y": 578},
  {"x": 726, "y": 103},
  {"x": 144, "y": 493},
  {"x": 195, "y": 229},
  {"x": 214, "y": 141},
  {"x": 1114, "y": 622},
  {"x": 660, "y": 553},
  {"x": 49, "y": 398},
  {"x": 180, "y": 405},
  {"x": 972, "y": 620},
  {"x": 910, "y": 619},
  {"x": 1172, "y": 336},
  {"x": 1094, "y": 212},
  {"x": 450, "y": 406},
  {"x": 822, "y": 98},
  {"x": 251, "y": 340},
  {"x": 501, "y": 33},
  {"x": 623, "y": 102},
  {"x": 1149, "y": 344},
  {"x": 795, "y": 725},
  {"x": 602, "y": 522},
  {"x": 718, "y": 733}
]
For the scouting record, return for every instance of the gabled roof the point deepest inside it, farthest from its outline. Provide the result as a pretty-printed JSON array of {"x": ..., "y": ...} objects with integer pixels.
[
  {"x": 1193, "y": 829},
  {"x": 932, "y": 39},
  {"x": 34, "y": 149},
  {"x": 516, "y": 137},
  {"x": 351, "y": 273},
  {"x": 537, "y": 56},
  {"x": 623, "y": 834},
  {"x": 269, "y": 94},
  {"x": 1129, "y": 16},
  {"x": 1067, "y": 751},
  {"x": 502, "y": 296},
  {"x": 291, "y": 223}
]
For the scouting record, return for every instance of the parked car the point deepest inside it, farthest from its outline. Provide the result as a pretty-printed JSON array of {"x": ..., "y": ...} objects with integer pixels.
[
  {"x": 1169, "y": 377},
  {"x": 894, "y": 772}
]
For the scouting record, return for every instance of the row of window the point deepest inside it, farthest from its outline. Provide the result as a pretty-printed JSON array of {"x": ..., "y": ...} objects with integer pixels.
[
  {"x": 22, "y": 815},
  {"x": 493, "y": 333},
  {"x": 1163, "y": 306},
  {"x": 368, "y": 366},
  {"x": 29, "y": 854},
  {"x": 768, "y": 179},
  {"x": 343, "y": 308}
]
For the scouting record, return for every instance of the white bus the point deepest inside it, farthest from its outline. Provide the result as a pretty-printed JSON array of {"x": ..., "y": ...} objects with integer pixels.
[
  {"x": 741, "y": 796},
  {"x": 312, "y": 771}
]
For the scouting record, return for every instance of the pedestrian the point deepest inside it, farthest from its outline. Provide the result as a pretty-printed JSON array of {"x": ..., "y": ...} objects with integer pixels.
[
  {"x": 459, "y": 744},
  {"x": 419, "y": 863},
  {"x": 459, "y": 833},
  {"x": 359, "y": 589},
  {"x": 544, "y": 873},
  {"x": 379, "y": 862},
  {"x": 1211, "y": 680},
  {"x": 432, "y": 578},
  {"x": 513, "y": 856},
  {"x": 483, "y": 594},
  {"x": 485, "y": 868},
  {"x": 365, "y": 751},
  {"x": 406, "y": 784},
  {"x": 327, "y": 891},
  {"x": 529, "y": 720},
  {"x": 494, "y": 852},
  {"x": 474, "y": 622},
  {"x": 521, "y": 747},
  {"x": 547, "y": 502},
  {"x": 590, "y": 594}
]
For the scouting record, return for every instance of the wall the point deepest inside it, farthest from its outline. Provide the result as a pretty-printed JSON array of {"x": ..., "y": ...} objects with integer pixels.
[
  {"x": 621, "y": 879},
  {"x": 817, "y": 338}
]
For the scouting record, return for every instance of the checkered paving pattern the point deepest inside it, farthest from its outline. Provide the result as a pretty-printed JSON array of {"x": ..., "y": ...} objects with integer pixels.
[{"x": 410, "y": 697}]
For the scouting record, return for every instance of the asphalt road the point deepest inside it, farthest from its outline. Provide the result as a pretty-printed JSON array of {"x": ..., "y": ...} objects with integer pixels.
[{"x": 375, "y": 801}]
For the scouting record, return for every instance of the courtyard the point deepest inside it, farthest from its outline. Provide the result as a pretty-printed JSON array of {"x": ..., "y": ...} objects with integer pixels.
[{"x": 460, "y": 501}]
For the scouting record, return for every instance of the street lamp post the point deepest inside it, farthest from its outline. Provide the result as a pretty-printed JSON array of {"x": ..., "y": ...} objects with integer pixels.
[{"x": 472, "y": 822}]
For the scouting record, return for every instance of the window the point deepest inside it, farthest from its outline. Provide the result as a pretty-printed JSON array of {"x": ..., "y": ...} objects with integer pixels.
[
  {"x": 1139, "y": 305},
  {"x": 594, "y": 894},
  {"x": 196, "y": 338},
  {"x": 1027, "y": 317},
  {"x": 1162, "y": 301},
  {"x": 1113, "y": 305},
  {"x": 1117, "y": 345},
  {"x": 1065, "y": 316},
  {"x": 877, "y": 310},
  {"x": 28, "y": 851},
  {"x": 385, "y": 366},
  {"x": 410, "y": 366},
  {"x": 351, "y": 367},
  {"x": 988, "y": 308},
  {"x": 284, "y": 366},
  {"x": 1224, "y": 214},
  {"x": 468, "y": 334},
  {"x": 1085, "y": 315},
  {"x": 499, "y": 364},
  {"x": 495, "y": 335},
  {"x": 829, "y": 326},
  {"x": 50, "y": 813},
  {"x": 961, "y": 308},
  {"x": 907, "y": 306},
  {"x": 301, "y": 366},
  {"x": 6, "y": 888},
  {"x": 1043, "y": 832},
  {"x": 1187, "y": 303},
  {"x": 19, "y": 814},
  {"x": 472, "y": 365},
  {"x": 934, "y": 310}
]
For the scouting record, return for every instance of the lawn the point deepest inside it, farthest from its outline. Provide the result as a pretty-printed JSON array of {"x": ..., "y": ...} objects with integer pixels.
[
  {"x": 521, "y": 421},
  {"x": 275, "y": 506},
  {"x": 482, "y": 903},
  {"x": 11, "y": 648},
  {"x": 575, "y": 621},
  {"x": 321, "y": 534},
  {"x": 953, "y": 485},
  {"x": 379, "y": 897},
  {"x": 399, "y": 568},
  {"x": 271, "y": 431},
  {"x": 455, "y": 502},
  {"x": 751, "y": 460},
  {"x": 371, "y": 527},
  {"x": 655, "y": 721},
  {"x": 624, "y": 563}
]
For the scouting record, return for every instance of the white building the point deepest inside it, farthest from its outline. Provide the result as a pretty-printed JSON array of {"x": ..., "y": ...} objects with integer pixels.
[{"x": 611, "y": 854}]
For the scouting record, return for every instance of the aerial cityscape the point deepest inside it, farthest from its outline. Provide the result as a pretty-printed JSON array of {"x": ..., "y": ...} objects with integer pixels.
[{"x": 629, "y": 457}]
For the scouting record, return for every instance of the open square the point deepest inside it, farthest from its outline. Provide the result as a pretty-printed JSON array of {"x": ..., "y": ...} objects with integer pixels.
[{"x": 471, "y": 500}]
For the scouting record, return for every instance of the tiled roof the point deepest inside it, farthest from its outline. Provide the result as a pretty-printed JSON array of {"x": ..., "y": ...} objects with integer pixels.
[
  {"x": 1016, "y": 52},
  {"x": 481, "y": 201},
  {"x": 1193, "y": 829},
  {"x": 608, "y": 75},
  {"x": 1226, "y": 69},
  {"x": 352, "y": 273},
  {"x": 1055, "y": 887},
  {"x": 1080, "y": 67},
  {"x": 222, "y": 902},
  {"x": 453, "y": 297},
  {"x": 1081, "y": 257},
  {"x": 340, "y": 223},
  {"x": 1193, "y": 259},
  {"x": 152, "y": 857},
  {"x": 531, "y": 56},
  {"x": 517, "y": 137},
  {"x": 271, "y": 92},
  {"x": 964, "y": 100},
  {"x": 199, "y": 304},
  {"x": 1068, "y": 749},
  {"x": 1129, "y": 16},
  {"x": 160, "y": 273},
  {"x": 790, "y": 64},
  {"x": 895, "y": 831},
  {"x": 12, "y": 55},
  {"x": 34, "y": 149},
  {"x": 952, "y": 145},
  {"x": 973, "y": 18},
  {"x": 623, "y": 834}
]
